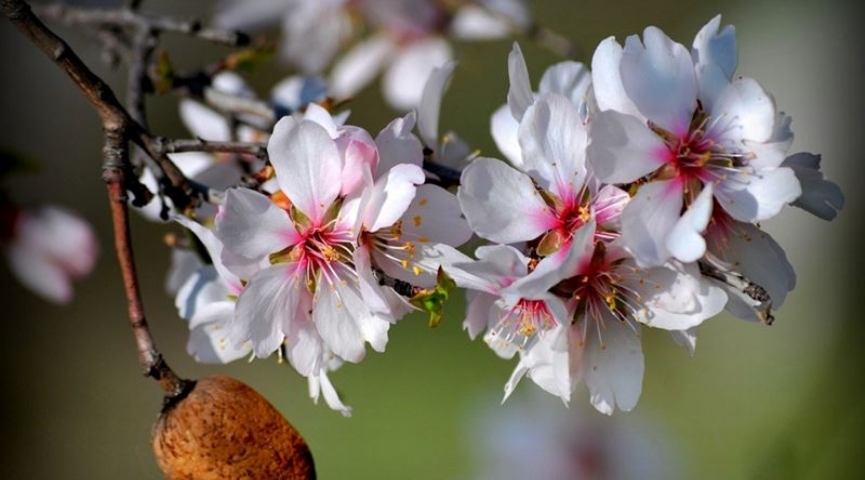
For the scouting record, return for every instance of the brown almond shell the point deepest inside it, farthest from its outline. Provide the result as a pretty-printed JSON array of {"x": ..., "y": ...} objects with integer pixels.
[{"x": 223, "y": 429}]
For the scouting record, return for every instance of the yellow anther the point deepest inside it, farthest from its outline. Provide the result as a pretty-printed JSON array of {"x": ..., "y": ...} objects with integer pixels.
[
  {"x": 418, "y": 220},
  {"x": 423, "y": 239},
  {"x": 330, "y": 253},
  {"x": 585, "y": 214},
  {"x": 416, "y": 270},
  {"x": 422, "y": 202}
]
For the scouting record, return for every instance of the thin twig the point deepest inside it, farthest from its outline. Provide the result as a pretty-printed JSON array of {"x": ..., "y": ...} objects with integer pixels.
[
  {"x": 125, "y": 17},
  {"x": 257, "y": 149}
]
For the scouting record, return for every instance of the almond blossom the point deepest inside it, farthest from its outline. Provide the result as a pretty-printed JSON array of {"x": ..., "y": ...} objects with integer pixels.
[
  {"x": 208, "y": 300},
  {"x": 677, "y": 122},
  {"x": 572, "y": 307},
  {"x": 47, "y": 249}
]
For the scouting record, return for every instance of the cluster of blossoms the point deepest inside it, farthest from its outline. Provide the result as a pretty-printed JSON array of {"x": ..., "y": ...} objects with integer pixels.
[
  {"x": 300, "y": 269},
  {"x": 406, "y": 39},
  {"x": 631, "y": 197}
]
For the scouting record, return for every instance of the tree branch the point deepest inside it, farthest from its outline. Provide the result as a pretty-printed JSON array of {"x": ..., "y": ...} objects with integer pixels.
[
  {"x": 130, "y": 18},
  {"x": 114, "y": 172},
  {"x": 257, "y": 149}
]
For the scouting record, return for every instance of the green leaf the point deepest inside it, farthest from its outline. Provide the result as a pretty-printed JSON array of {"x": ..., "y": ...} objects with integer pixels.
[{"x": 432, "y": 300}]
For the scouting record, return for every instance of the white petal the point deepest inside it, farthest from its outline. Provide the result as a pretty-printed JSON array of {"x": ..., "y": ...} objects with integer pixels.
[
  {"x": 505, "y": 130},
  {"x": 648, "y": 220},
  {"x": 659, "y": 78},
  {"x": 396, "y": 145},
  {"x": 497, "y": 266},
  {"x": 500, "y": 203},
  {"x": 614, "y": 367},
  {"x": 184, "y": 263},
  {"x": 745, "y": 112},
  {"x": 317, "y": 114},
  {"x": 520, "y": 95},
  {"x": 758, "y": 196},
  {"x": 331, "y": 397},
  {"x": 481, "y": 313},
  {"x": 296, "y": 92},
  {"x": 685, "y": 241},
  {"x": 313, "y": 33},
  {"x": 265, "y": 308},
  {"x": 203, "y": 122},
  {"x": 716, "y": 46},
  {"x": 553, "y": 141},
  {"x": 250, "y": 225},
  {"x": 623, "y": 149},
  {"x": 475, "y": 23},
  {"x": 304, "y": 348},
  {"x": 715, "y": 58},
  {"x": 820, "y": 197},
  {"x": 547, "y": 365},
  {"x": 391, "y": 196},
  {"x": 305, "y": 159},
  {"x": 60, "y": 236},
  {"x": 569, "y": 79},
  {"x": 38, "y": 273},
  {"x": 345, "y": 322},
  {"x": 434, "y": 216},
  {"x": 753, "y": 253},
  {"x": 686, "y": 339},
  {"x": 609, "y": 91},
  {"x": 359, "y": 153},
  {"x": 356, "y": 69},
  {"x": 202, "y": 288},
  {"x": 208, "y": 342},
  {"x": 430, "y": 105},
  {"x": 405, "y": 78},
  {"x": 213, "y": 246},
  {"x": 371, "y": 292},
  {"x": 675, "y": 297}
]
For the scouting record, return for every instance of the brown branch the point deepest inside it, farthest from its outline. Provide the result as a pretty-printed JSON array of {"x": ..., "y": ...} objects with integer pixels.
[{"x": 114, "y": 173}]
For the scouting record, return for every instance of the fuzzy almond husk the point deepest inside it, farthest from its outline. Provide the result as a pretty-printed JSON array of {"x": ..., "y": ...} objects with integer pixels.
[{"x": 224, "y": 429}]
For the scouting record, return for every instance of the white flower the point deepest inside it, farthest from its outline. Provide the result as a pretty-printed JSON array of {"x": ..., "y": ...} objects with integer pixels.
[
  {"x": 47, "y": 248},
  {"x": 610, "y": 298},
  {"x": 680, "y": 121},
  {"x": 311, "y": 284},
  {"x": 208, "y": 299}
]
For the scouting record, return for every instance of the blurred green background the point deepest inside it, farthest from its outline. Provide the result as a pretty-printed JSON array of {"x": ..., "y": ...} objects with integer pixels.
[{"x": 784, "y": 402}]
